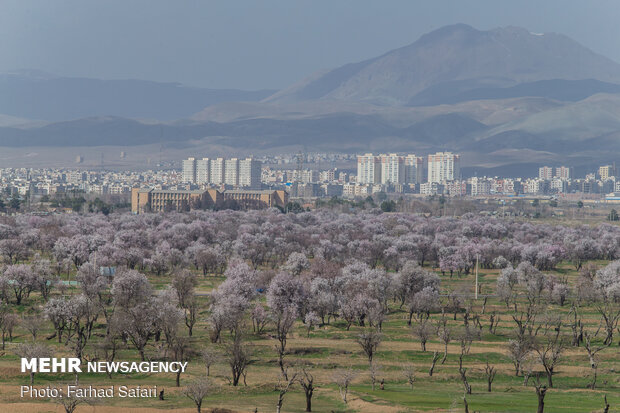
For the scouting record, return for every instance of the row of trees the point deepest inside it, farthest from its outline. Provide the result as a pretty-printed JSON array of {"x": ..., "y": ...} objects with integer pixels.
[{"x": 208, "y": 240}]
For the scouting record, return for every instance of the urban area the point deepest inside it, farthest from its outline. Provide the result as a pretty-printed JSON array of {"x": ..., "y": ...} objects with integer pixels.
[{"x": 274, "y": 181}]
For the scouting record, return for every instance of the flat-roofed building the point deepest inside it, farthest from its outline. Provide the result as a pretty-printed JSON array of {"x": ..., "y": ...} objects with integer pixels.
[
  {"x": 368, "y": 169},
  {"x": 545, "y": 172},
  {"x": 559, "y": 185},
  {"x": 153, "y": 200},
  {"x": 306, "y": 176},
  {"x": 248, "y": 199},
  {"x": 354, "y": 190},
  {"x": 217, "y": 171},
  {"x": 606, "y": 172},
  {"x": 202, "y": 171},
  {"x": 250, "y": 173},
  {"x": 414, "y": 169},
  {"x": 456, "y": 188},
  {"x": 327, "y": 176},
  {"x": 479, "y": 186},
  {"x": 431, "y": 188},
  {"x": 443, "y": 166},
  {"x": 392, "y": 169},
  {"x": 562, "y": 172},
  {"x": 231, "y": 171},
  {"x": 533, "y": 186},
  {"x": 189, "y": 170}
]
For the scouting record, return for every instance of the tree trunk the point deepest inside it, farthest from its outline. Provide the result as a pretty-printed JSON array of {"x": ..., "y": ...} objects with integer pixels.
[
  {"x": 541, "y": 400},
  {"x": 466, "y": 385},
  {"x": 593, "y": 384},
  {"x": 308, "y": 400},
  {"x": 280, "y": 402},
  {"x": 435, "y": 358}
]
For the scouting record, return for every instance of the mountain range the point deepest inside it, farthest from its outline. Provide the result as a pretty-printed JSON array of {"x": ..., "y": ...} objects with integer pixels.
[
  {"x": 456, "y": 57},
  {"x": 37, "y": 95},
  {"x": 501, "y": 97}
]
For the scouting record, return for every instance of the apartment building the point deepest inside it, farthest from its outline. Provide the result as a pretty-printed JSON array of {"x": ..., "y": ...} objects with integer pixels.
[
  {"x": 216, "y": 171},
  {"x": 392, "y": 169},
  {"x": 504, "y": 186},
  {"x": 327, "y": 176},
  {"x": 559, "y": 185},
  {"x": 454, "y": 188},
  {"x": 358, "y": 190},
  {"x": 479, "y": 186},
  {"x": 250, "y": 173},
  {"x": 533, "y": 186},
  {"x": 368, "y": 169},
  {"x": 189, "y": 170},
  {"x": 545, "y": 173},
  {"x": 443, "y": 166},
  {"x": 306, "y": 176},
  {"x": 234, "y": 172},
  {"x": 203, "y": 175},
  {"x": 414, "y": 169},
  {"x": 431, "y": 188},
  {"x": 389, "y": 169},
  {"x": 231, "y": 172},
  {"x": 562, "y": 172},
  {"x": 606, "y": 172}
]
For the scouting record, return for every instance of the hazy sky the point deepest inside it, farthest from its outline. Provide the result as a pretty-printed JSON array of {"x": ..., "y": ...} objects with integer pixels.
[{"x": 258, "y": 44}]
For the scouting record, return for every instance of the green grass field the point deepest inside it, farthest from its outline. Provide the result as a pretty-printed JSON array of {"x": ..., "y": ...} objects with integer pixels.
[{"x": 331, "y": 347}]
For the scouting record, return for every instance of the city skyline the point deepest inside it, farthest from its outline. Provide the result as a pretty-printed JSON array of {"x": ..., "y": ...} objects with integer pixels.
[{"x": 391, "y": 177}]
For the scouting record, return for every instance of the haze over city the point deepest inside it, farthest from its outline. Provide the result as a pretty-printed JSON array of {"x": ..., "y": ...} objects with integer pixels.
[{"x": 245, "y": 78}]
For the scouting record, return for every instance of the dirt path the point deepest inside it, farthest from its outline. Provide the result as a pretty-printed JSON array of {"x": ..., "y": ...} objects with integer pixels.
[{"x": 363, "y": 406}]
